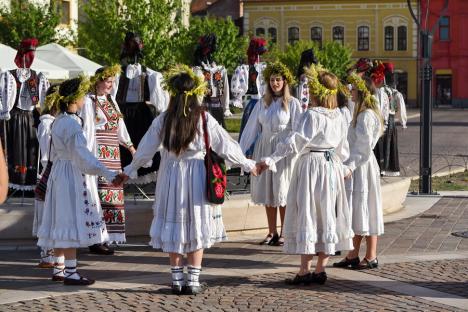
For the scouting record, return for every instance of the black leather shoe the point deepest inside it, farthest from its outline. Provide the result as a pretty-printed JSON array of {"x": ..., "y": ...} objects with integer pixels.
[
  {"x": 177, "y": 289},
  {"x": 274, "y": 240},
  {"x": 318, "y": 278},
  {"x": 195, "y": 290},
  {"x": 82, "y": 281},
  {"x": 367, "y": 264},
  {"x": 299, "y": 279},
  {"x": 101, "y": 249},
  {"x": 347, "y": 263}
]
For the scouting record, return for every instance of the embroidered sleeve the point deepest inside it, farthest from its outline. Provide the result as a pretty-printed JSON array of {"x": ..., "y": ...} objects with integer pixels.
[
  {"x": 225, "y": 99},
  {"x": 43, "y": 86},
  {"x": 88, "y": 114},
  {"x": 303, "y": 92},
  {"x": 157, "y": 96},
  {"x": 8, "y": 95},
  {"x": 239, "y": 85}
]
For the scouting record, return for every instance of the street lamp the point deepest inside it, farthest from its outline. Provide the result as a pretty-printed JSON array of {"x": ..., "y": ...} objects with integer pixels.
[{"x": 425, "y": 75}]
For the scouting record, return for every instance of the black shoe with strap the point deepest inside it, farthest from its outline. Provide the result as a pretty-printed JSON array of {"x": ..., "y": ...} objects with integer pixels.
[
  {"x": 318, "y": 278},
  {"x": 299, "y": 279},
  {"x": 81, "y": 281},
  {"x": 345, "y": 263},
  {"x": 178, "y": 289},
  {"x": 195, "y": 290},
  {"x": 366, "y": 264},
  {"x": 101, "y": 249}
]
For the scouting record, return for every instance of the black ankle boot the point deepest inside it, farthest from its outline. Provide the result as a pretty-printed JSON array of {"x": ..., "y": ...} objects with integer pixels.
[
  {"x": 299, "y": 279},
  {"x": 101, "y": 249},
  {"x": 195, "y": 290},
  {"x": 177, "y": 289}
]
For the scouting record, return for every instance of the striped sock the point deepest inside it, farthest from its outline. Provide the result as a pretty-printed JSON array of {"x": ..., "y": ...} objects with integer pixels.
[
  {"x": 177, "y": 276},
  {"x": 193, "y": 276},
  {"x": 59, "y": 266}
]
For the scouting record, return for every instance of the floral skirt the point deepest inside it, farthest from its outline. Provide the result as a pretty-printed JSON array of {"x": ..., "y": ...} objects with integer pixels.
[{"x": 111, "y": 197}]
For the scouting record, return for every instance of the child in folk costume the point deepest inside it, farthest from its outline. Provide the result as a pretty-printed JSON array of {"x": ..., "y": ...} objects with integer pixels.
[
  {"x": 184, "y": 221},
  {"x": 105, "y": 131},
  {"x": 318, "y": 220},
  {"x": 72, "y": 213},
  {"x": 363, "y": 176},
  {"x": 43, "y": 135},
  {"x": 271, "y": 121}
]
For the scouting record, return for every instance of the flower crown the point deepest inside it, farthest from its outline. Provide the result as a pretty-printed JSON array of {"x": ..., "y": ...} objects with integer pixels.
[
  {"x": 316, "y": 88},
  {"x": 109, "y": 71},
  {"x": 83, "y": 89},
  {"x": 360, "y": 84},
  {"x": 49, "y": 101},
  {"x": 200, "y": 85},
  {"x": 278, "y": 68}
]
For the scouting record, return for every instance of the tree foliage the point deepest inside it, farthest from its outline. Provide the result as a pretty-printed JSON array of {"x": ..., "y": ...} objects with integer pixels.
[
  {"x": 102, "y": 29},
  {"x": 231, "y": 48},
  {"x": 333, "y": 56},
  {"x": 25, "y": 19}
]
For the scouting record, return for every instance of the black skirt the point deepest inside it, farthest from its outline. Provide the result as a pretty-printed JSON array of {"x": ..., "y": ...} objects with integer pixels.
[
  {"x": 138, "y": 118},
  {"x": 22, "y": 149},
  {"x": 216, "y": 109},
  {"x": 391, "y": 162}
]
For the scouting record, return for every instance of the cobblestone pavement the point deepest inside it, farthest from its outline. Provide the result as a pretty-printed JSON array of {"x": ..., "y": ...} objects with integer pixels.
[{"x": 424, "y": 268}]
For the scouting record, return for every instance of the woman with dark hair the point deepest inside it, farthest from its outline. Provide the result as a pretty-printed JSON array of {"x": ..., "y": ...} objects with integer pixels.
[
  {"x": 307, "y": 58},
  {"x": 271, "y": 121},
  {"x": 363, "y": 177},
  {"x": 185, "y": 222},
  {"x": 71, "y": 217},
  {"x": 105, "y": 132}
]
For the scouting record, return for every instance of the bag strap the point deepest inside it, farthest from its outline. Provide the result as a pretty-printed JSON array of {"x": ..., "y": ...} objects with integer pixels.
[{"x": 205, "y": 135}]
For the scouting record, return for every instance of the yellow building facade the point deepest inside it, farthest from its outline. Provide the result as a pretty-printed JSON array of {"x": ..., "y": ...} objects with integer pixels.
[{"x": 380, "y": 29}]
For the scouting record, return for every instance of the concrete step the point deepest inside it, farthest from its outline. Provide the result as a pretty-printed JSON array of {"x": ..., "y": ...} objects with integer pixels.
[{"x": 239, "y": 213}]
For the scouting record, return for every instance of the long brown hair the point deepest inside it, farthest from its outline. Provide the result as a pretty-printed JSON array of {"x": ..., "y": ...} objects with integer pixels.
[
  {"x": 179, "y": 130},
  {"x": 268, "y": 97},
  {"x": 362, "y": 104}
]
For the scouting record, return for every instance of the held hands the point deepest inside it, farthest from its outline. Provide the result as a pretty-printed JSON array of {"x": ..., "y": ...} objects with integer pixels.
[
  {"x": 261, "y": 167},
  {"x": 120, "y": 179},
  {"x": 132, "y": 150}
]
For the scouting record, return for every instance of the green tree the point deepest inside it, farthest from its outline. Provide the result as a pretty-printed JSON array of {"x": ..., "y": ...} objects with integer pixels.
[
  {"x": 104, "y": 24},
  {"x": 25, "y": 19},
  {"x": 231, "y": 48},
  {"x": 333, "y": 56}
]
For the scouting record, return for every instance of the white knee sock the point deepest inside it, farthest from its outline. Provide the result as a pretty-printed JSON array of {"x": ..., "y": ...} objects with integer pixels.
[
  {"x": 193, "y": 276},
  {"x": 178, "y": 276},
  {"x": 59, "y": 266},
  {"x": 70, "y": 269}
]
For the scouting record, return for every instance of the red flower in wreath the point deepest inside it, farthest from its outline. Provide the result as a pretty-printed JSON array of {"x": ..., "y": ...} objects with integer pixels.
[
  {"x": 217, "y": 172},
  {"x": 219, "y": 190}
]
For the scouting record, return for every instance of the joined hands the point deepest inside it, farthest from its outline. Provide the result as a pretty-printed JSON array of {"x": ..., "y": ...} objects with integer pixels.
[{"x": 120, "y": 179}]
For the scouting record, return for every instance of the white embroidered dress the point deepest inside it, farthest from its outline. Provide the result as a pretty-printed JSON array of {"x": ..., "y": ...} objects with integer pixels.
[
  {"x": 72, "y": 211},
  {"x": 240, "y": 83},
  {"x": 363, "y": 188},
  {"x": 318, "y": 218},
  {"x": 184, "y": 220},
  {"x": 267, "y": 126}
]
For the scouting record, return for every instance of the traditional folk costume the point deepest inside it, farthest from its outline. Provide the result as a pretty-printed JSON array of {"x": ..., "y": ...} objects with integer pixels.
[
  {"x": 266, "y": 127},
  {"x": 397, "y": 108},
  {"x": 140, "y": 98},
  {"x": 72, "y": 210},
  {"x": 248, "y": 84},
  {"x": 217, "y": 97},
  {"x": 43, "y": 135},
  {"x": 23, "y": 91},
  {"x": 105, "y": 131},
  {"x": 184, "y": 221},
  {"x": 363, "y": 188},
  {"x": 302, "y": 90}
]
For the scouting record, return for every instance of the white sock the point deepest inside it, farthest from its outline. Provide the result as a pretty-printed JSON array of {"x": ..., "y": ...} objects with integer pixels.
[
  {"x": 193, "y": 276},
  {"x": 177, "y": 276},
  {"x": 70, "y": 269},
  {"x": 59, "y": 265}
]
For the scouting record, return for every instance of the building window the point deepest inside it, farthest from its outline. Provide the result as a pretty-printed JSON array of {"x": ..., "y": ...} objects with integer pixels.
[
  {"x": 260, "y": 32},
  {"x": 444, "y": 28},
  {"x": 389, "y": 38},
  {"x": 65, "y": 12},
  {"x": 363, "y": 38},
  {"x": 316, "y": 35},
  {"x": 402, "y": 38},
  {"x": 338, "y": 34},
  {"x": 272, "y": 34},
  {"x": 293, "y": 35}
]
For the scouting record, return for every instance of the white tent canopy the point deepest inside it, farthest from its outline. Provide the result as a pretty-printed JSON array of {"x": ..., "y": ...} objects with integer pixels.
[
  {"x": 61, "y": 56},
  {"x": 49, "y": 70}
]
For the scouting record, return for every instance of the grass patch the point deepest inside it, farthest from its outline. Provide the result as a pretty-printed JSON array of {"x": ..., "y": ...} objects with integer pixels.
[
  {"x": 233, "y": 124},
  {"x": 454, "y": 182},
  {"x": 235, "y": 110}
]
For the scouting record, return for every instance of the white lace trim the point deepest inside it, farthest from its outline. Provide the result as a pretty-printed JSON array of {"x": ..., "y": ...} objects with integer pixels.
[
  {"x": 148, "y": 178},
  {"x": 22, "y": 187}
]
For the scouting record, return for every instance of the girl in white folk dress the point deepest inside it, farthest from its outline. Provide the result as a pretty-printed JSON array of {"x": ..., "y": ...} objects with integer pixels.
[
  {"x": 272, "y": 120},
  {"x": 318, "y": 220},
  {"x": 363, "y": 175},
  {"x": 71, "y": 217},
  {"x": 184, "y": 221},
  {"x": 43, "y": 136}
]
